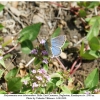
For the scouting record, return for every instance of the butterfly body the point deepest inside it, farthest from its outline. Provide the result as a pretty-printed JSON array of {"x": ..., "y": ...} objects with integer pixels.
[{"x": 54, "y": 45}]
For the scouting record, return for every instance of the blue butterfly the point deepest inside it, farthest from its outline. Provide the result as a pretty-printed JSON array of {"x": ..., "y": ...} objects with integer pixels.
[{"x": 54, "y": 45}]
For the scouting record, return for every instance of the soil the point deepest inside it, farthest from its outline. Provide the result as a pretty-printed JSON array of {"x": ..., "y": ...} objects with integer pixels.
[{"x": 48, "y": 12}]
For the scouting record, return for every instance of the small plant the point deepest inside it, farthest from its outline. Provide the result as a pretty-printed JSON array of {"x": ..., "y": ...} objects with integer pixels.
[
  {"x": 1, "y": 8},
  {"x": 91, "y": 83},
  {"x": 91, "y": 50}
]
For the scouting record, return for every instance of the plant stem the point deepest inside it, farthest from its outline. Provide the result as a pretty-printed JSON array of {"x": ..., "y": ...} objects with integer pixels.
[
  {"x": 57, "y": 4},
  {"x": 11, "y": 49},
  {"x": 72, "y": 70},
  {"x": 60, "y": 63},
  {"x": 29, "y": 62},
  {"x": 76, "y": 67}
]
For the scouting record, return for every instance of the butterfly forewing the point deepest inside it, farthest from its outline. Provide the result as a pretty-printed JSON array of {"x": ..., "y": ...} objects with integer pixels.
[{"x": 58, "y": 41}]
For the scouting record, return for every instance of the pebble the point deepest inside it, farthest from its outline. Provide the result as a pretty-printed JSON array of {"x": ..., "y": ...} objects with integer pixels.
[
  {"x": 15, "y": 11},
  {"x": 14, "y": 4},
  {"x": 21, "y": 65},
  {"x": 1, "y": 13},
  {"x": 4, "y": 30},
  {"x": 22, "y": 72},
  {"x": 50, "y": 24},
  {"x": 19, "y": 8},
  {"x": 75, "y": 37},
  {"x": 4, "y": 2},
  {"x": 43, "y": 5},
  {"x": 50, "y": 65},
  {"x": 9, "y": 24},
  {"x": 6, "y": 48},
  {"x": 8, "y": 40},
  {"x": 56, "y": 63},
  {"x": 37, "y": 19},
  {"x": 74, "y": 40},
  {"x": 62, "y": 22},
  {"x": 54, "y": 5},
  {"x": 63, "y": 55},
  {"x": 60, "y": 25},
  {"x": 70, "y": 44},
  {"x": 74, "y": 4}
]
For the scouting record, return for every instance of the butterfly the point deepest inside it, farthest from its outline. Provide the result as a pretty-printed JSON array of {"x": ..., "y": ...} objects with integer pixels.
[{"x": 53, "y": 45}]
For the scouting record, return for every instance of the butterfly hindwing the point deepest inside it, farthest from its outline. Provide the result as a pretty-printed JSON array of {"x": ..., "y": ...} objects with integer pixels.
[
  {"x": 55, "y": 51},
  {"x": 58, "y": 41}
]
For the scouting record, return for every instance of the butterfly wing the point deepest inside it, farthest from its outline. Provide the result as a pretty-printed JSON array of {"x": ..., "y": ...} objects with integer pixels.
[
  {"x": 54, "y": 45},
  {"x": 58, "y": 41},
  {"x": 55, "y": 51}
]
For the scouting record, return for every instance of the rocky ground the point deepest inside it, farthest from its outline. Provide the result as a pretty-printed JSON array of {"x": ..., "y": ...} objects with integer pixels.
[{"x": 17, "y": 15}]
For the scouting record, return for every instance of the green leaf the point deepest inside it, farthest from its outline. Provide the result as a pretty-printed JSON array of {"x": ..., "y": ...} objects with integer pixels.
[
  {"x": 2, "y": 63},
  {"x": 92, "y": 79},
  {"x": 55, "y": 80},
  {"x": 50, "y": 87},
  {"x": 92, "y": 20},
  {"x": 65, "y": 45},
  {"x": 56, "y": 32},
  {"x": 1, "y": 72},
  {"x": 56, "y": 75},
  {"x": 42, "y": 90},
  {"x": 1, "y": 26},
  {"x": 12, "y": 73},
  {"x": 65, "y": 90},
  {"x": 93, "y": 53},
  {"x": 3, "y": 92},
  {"x": 94, "y": 30},
  {"x": 94, "y": 43},
  {"x": 7, "y": 56},
  {"x": 1, "y": 7},
  {"x": 1, "y": 38},
  {"x": 82, "y": 13},
  {"x": 6, "y": 43},
  {"x": 82, "y": 49},
  {"x": 26, "y": 46},
  {"x": 45, "y": 66},
  {"x": 59, "y": 82},
  {"x": 87, "y": 19},
  {"x": 88, "y": 4},
  {"x": 90, "y": 55},
  {"x": 26, "y": 90},
  {"x": 94, "y": 4},
  {"x": 30, "y": 32},
  {"x": 82, "y": 91},
  {"x": 83, "y": 4},
  {"x": 27, "y": 78},
  {"x": 14, "y": 84},
  {"x": 36, "y": 61}
]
